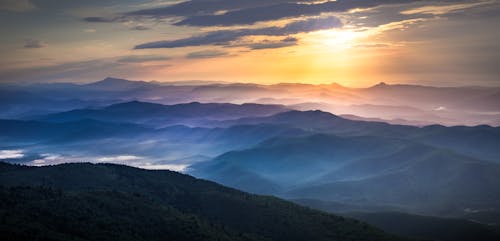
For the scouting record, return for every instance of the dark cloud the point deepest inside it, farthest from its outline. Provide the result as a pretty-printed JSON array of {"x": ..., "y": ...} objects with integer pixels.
[
  {"x": 246, "y": 12},
  {"x": 98, "y": 20},
  {"x": 33, "y": 44},
  {"x": 142, "y": 58},
  {"x": 202, "y": 13},
  {"x": 290, "y": 39},
  {"x": 224, "y": 37},
  {"x": 140, "y": 28},
  {"x": 269, "y": 44},
  {"x": 202, "y": 7},
  {"x": 206, "y": 54},
  {"x": 119, "y": 18}
]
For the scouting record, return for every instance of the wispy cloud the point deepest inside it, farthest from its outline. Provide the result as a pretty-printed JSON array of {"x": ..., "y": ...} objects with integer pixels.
[
  {"x": 272, "y": 44},
  {"x": 131, "y": 160},
  {"x": 171, "y": 167},
  {"x": 11, "y": 154},
  {"x": 140, "y": 28},
  {"x": 34, "y": 44},
  {"x": 54, "y": 158},
  {"x": 230, "y": 12},
  {"x": 105, "y": 19},
  {"x": 118, "y": 159},
  {"x": 224, "y": 37},
  {"x": 142, "y": 58},
  {"x": 443, "y": 9},
  {"x": 206, "y": 54}
]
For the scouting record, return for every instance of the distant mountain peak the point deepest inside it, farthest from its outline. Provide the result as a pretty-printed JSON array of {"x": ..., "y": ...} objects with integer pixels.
[
  {"x": 134, "y": 104},
  {"x": 110, "y": 83},
  {"x": 381, "y": 84},
  {"x": 309, "y": 113},
  {"x": 112, "y": 80}
]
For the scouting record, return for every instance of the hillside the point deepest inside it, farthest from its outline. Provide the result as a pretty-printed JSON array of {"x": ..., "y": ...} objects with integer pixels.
[
  {"x": 83, "y": 185},
  {"x": 162, "y": 115},
  {"x": 36, "y": 213},
  {"x": 423, "y": 227},
  {"x": 359, "y": 171}
]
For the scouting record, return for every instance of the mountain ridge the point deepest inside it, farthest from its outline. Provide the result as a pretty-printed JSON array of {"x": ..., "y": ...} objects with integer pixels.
[{"x": 263, "y": 216}]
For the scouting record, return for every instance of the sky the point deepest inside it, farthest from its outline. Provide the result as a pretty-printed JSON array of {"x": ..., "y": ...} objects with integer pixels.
[{"x": 351, "y": 42}]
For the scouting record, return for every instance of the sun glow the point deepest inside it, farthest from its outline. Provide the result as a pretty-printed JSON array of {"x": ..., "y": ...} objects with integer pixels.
[{"x": 338, "y": 38}]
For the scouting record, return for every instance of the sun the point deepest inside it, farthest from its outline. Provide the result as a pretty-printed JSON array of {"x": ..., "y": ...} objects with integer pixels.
[{"x": 339, "y": 38}]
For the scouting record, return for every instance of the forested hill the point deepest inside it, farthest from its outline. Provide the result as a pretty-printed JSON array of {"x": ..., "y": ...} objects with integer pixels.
[{"x": 112, "y": 202}]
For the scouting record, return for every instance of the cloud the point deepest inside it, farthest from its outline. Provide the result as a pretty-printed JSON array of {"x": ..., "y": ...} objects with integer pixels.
[
  {"x": 54, "y": 159},
  {"x": 273, "y": 10},
  {"x": 142, "y": 58},
  {"x": 245, "y": 12},
  {"x": 171, "y": 167},
  {"x": 197, "y": 7},
  {"x": 33, "y": 44},
  {"x": 11, "y": 154},
  {"x": 376, "y": 17},
  {"x": 224, "y": 37},
  {"x": 206, "y": 54},
  {"x": 372, "y": 45},
  {"x": 444, "y": 9},
  {"x": 137, "y": 161},
  {"x": 89, "y": 30},
  {"x": 95, "y": 19},
  {"x": 268, "y": 44},
  {"x": 17, "y": 5},
  {"x": 99, "y": 20},
  {"x": 118, "y": 159},
  {"x": 140, "y": 28}
]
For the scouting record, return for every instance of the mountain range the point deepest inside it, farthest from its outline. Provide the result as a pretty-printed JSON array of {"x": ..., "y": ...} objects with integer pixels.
[
  {"x": 391, "y": 103},
  {"x": 416, "y": 172},
  {"x": 273, "y": 150}
]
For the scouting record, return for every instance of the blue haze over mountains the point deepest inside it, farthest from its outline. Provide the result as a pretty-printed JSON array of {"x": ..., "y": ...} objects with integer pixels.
[{"x": 427, "y": 153}]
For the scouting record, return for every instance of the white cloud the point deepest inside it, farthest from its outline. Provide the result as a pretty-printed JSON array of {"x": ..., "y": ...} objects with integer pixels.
[
  {"x": 130, "y": 160},
  {"x": 53, "y": 159},
  {"x": 38, "y": 162},
  {"x": 11, "y": 154},
  {"x": 50, "y": 159},
  {"x": 438, "y": 10},
  {"x": 114, "y": 159},
  {"x": 171, "y": 167}
]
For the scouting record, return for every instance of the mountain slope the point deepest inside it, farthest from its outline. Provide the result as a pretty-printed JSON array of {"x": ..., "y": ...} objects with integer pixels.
[
  {"x": 266, "y": 217},
  {"x": 33, "y": 131},
  {"x": 437, "y": 183},
  {"x": 162, "y": 115},
  {"x": 35, "y": 213},
  {"x": 366, "y": 170},
  {"x": 295, "y": 160},
  {"x": 423, "y": 227},
  {"x": 478, "y": 141}
]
